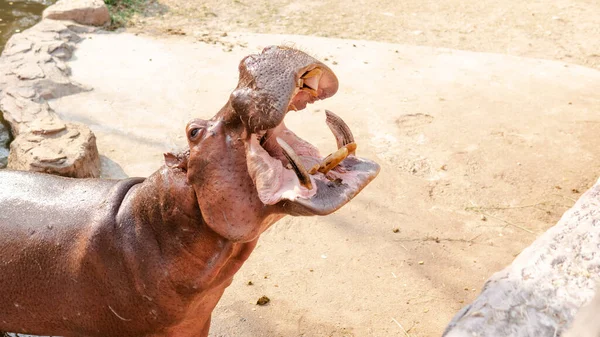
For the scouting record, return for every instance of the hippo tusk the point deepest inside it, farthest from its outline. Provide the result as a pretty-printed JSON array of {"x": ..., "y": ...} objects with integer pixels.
[
  {"x": 297, "y": 166},
  {"x": 333, "y": 160},
  {"x": 341, "y": 131}
]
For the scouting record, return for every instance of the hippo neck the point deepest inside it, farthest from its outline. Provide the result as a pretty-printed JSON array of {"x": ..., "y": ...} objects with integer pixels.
[{"x": 166, "y": 207}]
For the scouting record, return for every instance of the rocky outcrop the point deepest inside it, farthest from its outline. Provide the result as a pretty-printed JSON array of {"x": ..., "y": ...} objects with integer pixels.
[
  {"x": 540, "y": 292},
  {"x": 33, "y": 70},
  {"x": 67, "y": 150},
  {"x": 85, "y": 12}
]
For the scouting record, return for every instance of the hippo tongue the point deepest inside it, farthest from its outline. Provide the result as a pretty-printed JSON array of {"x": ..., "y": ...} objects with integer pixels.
[{"x": 277, "y": 164}]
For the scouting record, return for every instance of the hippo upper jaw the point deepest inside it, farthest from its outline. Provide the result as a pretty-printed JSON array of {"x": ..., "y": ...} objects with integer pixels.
[{"x": 276, "y": 81}]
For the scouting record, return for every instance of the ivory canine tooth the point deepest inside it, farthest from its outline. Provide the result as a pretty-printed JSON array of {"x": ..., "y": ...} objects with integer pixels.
[
  {"x": 341, "y": 131},
  {"x": 351, "y": 147},
  {"x": 314, "y": 169},
  {"x": 297, "y": 166},
  {"x": 333, "y": 160}
]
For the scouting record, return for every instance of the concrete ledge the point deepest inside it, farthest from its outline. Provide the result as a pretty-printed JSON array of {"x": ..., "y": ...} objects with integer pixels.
[{"x": 540, "y": 292}]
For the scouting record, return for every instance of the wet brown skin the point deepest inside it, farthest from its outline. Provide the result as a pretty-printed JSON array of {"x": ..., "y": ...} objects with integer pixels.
[{"x": 152, "y": 257}]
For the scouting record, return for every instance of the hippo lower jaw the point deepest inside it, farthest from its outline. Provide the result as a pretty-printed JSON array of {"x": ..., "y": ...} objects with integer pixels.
[{"x": 277, "y": 161}]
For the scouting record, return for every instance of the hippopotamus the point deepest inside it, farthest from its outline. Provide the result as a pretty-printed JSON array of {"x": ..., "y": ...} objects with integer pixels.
[{"x": 152, "y": 256}]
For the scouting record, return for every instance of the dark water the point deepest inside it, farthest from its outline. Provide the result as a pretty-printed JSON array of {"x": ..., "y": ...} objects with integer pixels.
[
  {"x": 4, "y": 141},
  {"x": 16, "y": 16}
]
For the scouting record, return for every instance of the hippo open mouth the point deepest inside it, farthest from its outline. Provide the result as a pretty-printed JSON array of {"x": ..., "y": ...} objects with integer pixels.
[{"x": 284, "y": 167}]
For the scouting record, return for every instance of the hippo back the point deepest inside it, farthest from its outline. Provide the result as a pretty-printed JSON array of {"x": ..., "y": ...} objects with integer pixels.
[{"x": 45, "y": 219}]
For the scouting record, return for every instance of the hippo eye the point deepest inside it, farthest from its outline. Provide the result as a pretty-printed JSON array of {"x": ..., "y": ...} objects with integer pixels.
[{"x": 194, "y": 132}]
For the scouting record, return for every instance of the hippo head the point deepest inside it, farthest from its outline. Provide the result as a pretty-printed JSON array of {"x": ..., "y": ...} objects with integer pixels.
[{"x": 248, "y": 169}]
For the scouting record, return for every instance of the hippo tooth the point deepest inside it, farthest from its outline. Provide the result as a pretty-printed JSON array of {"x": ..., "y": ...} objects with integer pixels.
[
  {"x": 297, "y": 166},
  {"x": 334, "y": 159},
  {"x": 339, "y": 128},
  {"x": 311, "y": 79}
]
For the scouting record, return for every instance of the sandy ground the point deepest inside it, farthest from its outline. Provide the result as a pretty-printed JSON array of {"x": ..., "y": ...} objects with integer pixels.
[
  {"x": 565, "y": 30},
  {"x": 480, "y": 153}
]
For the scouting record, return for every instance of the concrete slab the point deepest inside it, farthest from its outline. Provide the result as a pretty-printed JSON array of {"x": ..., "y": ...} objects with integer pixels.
[{"x": 451, "y": 129}]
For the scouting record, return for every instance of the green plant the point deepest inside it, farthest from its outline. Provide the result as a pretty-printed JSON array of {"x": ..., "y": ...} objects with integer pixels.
[{"x": 121, "y": 11}]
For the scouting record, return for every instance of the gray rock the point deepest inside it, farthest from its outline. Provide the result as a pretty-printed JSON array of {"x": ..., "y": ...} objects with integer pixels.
[
  {"x": 541, "y": 291},
  {"x": 63, "y": 149},
  {"x": 85, "y": 12},
  {"x": 32, "y": 70}
]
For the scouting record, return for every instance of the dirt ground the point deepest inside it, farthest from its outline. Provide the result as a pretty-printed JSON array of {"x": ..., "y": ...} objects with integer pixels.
[
  {"x": 565, "y": 30},
  {"x": 464, "y": 206}
]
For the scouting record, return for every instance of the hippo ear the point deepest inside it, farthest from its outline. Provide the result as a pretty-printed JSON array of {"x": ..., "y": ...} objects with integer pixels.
[{"x": 176, "y": 161}]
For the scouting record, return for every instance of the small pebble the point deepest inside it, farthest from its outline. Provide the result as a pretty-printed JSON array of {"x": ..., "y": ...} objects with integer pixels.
[
  {"x": 421, "y": 262},
  {"x": 396, "y": 230},
  {"x": 263, "y": 300}
]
